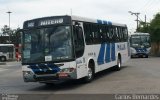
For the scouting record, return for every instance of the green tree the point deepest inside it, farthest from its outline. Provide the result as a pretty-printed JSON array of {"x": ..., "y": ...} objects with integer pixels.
[
  {"x": 155, "y": 33},
  {"x": 5, "y": 30},
  {"x": 155, "y": 28},
  {"x": 143, "y": 27},
  {"x": 8, "y": 33}
]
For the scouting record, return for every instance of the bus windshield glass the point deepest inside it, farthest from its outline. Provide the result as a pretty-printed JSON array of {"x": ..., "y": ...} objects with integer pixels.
[
  {"x": 145, "y": 40},
  {"x": 47, "y": 44},
  {"x": 140, "y": 41},
  {"x": 6, "y": 49}
]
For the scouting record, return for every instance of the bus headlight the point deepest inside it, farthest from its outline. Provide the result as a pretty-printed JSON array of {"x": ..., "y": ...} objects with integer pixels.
[
  {"x": 28, "y": 76},
  {"x": 25, "y": 73},
  {"x": 68, "y": 70},
  {"x": 133, "y": 51},
  {"x": 149, "y": 50}
]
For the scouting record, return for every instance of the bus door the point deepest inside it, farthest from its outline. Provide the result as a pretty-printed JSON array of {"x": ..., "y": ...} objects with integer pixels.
[{"x": 79, "y": 48}]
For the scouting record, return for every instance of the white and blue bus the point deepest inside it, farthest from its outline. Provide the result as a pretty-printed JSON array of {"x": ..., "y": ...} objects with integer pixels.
[
  {"x": 71, "y": 47},
  {"x": 140, "y": 44}
]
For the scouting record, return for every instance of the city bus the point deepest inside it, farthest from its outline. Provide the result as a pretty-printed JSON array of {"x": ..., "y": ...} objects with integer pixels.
[
  {"x": 60, "y": 48},
  {"x": 140, "y": 44},
  {"x": 7, "y": 52}
]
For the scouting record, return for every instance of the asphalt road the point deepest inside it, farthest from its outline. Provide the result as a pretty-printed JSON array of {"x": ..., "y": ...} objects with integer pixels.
[{"x": 140, "y": 76}]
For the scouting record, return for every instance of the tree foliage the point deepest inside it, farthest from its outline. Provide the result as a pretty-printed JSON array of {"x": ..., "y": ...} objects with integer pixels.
[
  {"x": 143, "y": 27},
  {"x": 155, "y": 28},
  {"x": 5, "y": 30},
  {"x": 8, "y": 34},
  {"x": 8, "y": 31}
]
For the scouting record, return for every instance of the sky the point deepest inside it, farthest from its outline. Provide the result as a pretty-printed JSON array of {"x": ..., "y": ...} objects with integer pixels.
[{"x": 111, "y": 10}]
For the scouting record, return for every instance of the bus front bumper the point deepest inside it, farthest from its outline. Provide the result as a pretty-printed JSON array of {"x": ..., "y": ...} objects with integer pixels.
[
  {"x": 29, "y": 76},
  {"x": 139, "y": 55}
]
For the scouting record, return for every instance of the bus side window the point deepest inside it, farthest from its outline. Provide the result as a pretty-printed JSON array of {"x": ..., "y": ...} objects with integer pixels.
[
  {"x": 78, "y": 40},
  {"x": 88, "y": 33},
  {"x": 126, "y": 34}
]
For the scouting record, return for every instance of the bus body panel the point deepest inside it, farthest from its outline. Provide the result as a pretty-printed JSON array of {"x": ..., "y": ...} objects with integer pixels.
[
  {"x": 81, "y": 67},
  {"x": 101, "y": 64}
]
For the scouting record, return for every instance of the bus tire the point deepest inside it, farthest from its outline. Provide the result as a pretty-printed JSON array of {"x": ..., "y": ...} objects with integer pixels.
[
  {"x": 49, "y": 84},
  {"x": 118, "y": 66},
  {"x": 3, "y": 58},
  {"x": 90, "y": 74},
  {"x": 146, "y": 56}
]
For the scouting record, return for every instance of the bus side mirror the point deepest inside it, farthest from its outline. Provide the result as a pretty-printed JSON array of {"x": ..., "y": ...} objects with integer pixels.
[
  {"x": 19, "y": 35},
  {"x": 19, "y": 31},
  {"x": 77, "y": 24}
]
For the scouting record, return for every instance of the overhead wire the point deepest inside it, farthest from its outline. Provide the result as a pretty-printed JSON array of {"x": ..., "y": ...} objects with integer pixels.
[
  {"x": 146, "y": 3},
  {"x": 148, "y": 6},
  {"x": 152, "y": 8}
]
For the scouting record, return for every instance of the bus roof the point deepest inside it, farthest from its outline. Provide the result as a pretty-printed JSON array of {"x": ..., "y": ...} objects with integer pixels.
[
  {"x": 85, "y": 19},
  {"x": 6, "y": 44},
  {"x": 76, "y": 18},
  {"x": 139, "y": 33}
]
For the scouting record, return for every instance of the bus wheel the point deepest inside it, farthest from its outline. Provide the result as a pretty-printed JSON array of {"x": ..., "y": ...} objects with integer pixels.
[
  {"x": 2, "y": 58},
  {"x": 90, "y": 74},
  {"x": 146, "y": 56},
  {"x": 48, "y": 84},
  {"x": 118, "y": 66}
]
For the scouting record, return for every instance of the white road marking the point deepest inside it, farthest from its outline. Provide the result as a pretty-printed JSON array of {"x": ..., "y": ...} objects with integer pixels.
[{"x": 2, "y": 69}]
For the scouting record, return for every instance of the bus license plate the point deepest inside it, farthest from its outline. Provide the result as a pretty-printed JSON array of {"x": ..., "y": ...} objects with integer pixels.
[{"x": 63, "y": 75}]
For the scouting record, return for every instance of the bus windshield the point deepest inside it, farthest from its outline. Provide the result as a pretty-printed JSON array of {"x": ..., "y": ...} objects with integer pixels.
[
  {"x": 6, "y": 49},
  {"x": 140, "y": 41},
  {"x": 47, "y": 44},
  {"x": 145, "y": 40}
]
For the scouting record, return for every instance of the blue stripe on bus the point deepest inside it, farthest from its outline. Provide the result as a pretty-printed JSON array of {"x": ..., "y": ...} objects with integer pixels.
[
  {"x": 105, "y": 22},
  {"x": 99, "y": 21},
  {"x": 42, "y": 68},
  {"x": 53, "y": 67},
  {"x": 34, "y": 68},
  {"x": 109, "y": 23},
  {"x": 113, "y": 56},
  {"x": 108, "y": 52},
  {"x": 100, "y": 59}
]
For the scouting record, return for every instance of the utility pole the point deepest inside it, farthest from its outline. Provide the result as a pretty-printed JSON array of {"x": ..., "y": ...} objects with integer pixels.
[
  {"x": 9, "y": 12},
  {"x": 136, "y": 14},
  {"x": 71, "y": 11},
  {"x": 145, "y": 20}
]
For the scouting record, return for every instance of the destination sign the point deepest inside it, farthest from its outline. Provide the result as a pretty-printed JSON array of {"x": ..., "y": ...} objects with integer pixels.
[
  {"x": 47, "y": 21},
  {"x": 31, "y": 24},
  {"x": 51, "y": 22}
]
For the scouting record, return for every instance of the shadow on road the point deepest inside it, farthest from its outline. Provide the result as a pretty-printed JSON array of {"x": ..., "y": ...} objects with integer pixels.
[
  {"x": 67, "y": 85},
  {"x": 73, "y": 84},
  {"x": 106, "y": 72}
]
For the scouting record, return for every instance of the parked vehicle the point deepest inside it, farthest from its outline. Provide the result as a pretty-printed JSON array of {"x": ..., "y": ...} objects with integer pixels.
[{"x": 7, "y": 52}]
